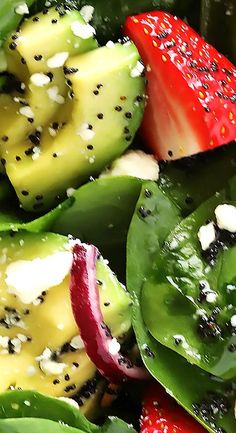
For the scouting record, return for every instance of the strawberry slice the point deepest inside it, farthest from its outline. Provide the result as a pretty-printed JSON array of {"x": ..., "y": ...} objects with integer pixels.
[
  {"x": 191, "y": 88},
  {"x": 161, "y": 414}
]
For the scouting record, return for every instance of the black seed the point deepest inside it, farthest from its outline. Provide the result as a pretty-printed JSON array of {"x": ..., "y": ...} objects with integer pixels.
[
  {"x": 26, "y": 312},
  {"x": 207, "y": 109},
  {"x": 50, "y": 75},
  {"x": 233, "y": 98},
  {"x": 38, "y": 57},
  {"x": 3, "y": 161},
  {"x": 128, "y": 138},
  {"x": 45, "y": 11},
  {"x": 205, "y": 86},
  {"x": 118, "y": 108},
  {"x": 30, "y": 119},
  {"x": 37, "y": 205},
  {"x": 90, "y": 147},
  {"x": 55, "y": 125},
  {"x": 106, "y": 304},
  {"x": 99, "y": 86},
  {"x": 178, "y": 341},
  {"x": 147, "y": 193},
  {"x": 12, "y": 46},
  {"x": 5, "y": 138},
  {"x": 126, "y": 130},
  {"x": 34, "y": 139},
  {"x": 35, "y": 19},
  {"x": 214, "y": 67},
  {"x": 72, "y": 95},
  {"x": 67, "y": 377},
  {"x": 25, "y": 193},
  {"x": 69, "y": 83},
  {"x": 54, "y": 21},
  {"x": 39, "y": 197},
  {"x": 139, "y": 98},
  {"x": 144, "y": 212},
  {"x": 162, "y": 35},
  {"x": 170, "y": 153},
  {"x": 227, "y": 72},
  {"x": 99, "y": 282},
  {"x": 68, "y": 71},
  {"x": 76, "y": 364},
  {"x": 232, "y": 347},
  {"x": 189, "y": 200},
  {"x": 29, "y": 151},
  {"x": 203, "y": 69},
  {"x": 14, "y": 37},
  {"x": 70, "y": 388},
  {"x": 23, "y": 61},
  {"x": 128, "y": 115},
  {"x": 148, "y": 352},
  {"x": 96, "y": 92},
  {"x": 56, "y": 381},
  {"x": 54, "y": 155},
  {"x": 100, "y": 116}
]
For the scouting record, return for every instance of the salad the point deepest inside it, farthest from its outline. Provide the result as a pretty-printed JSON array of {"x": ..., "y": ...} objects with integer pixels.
[{"x": 117, "y": 216}]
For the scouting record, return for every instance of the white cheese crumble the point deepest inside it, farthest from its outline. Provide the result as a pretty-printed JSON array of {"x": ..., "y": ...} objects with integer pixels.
[
  {"x": 77, "y": 342},
  {"x": 226, "y": 217},
  {"x": 84, "y": 31},
  {"x": 58, "y": 60},
  {"x": 87, "y": 13},
  {"x": 70, "y": 191},
  {"x": 134, "y": 163},
  {"x": 53, "y": 94},
  {"x": 48, "y": 366},
  {"x": 52, "y": 367},
  {"x": 233, "y": 321},
  {"x": 22, "y": 9},
  {"x": 27, "y": 279},
  {"x": 211, "y": 297},
  {"x": 137, "y": 70},
  {"x": 110, "y": 44},
  {"x": 206, "y": 235},
  {"x": 39, "y": 79},
  {"x": 85, "y": 132},
  {"x": 4, "y": 341},
  {"x": 26, "y": 111},
  {"x": 70, "y": 401},
  {"x": 113, "y": 346},
  {"x": 31, "y": 370}
]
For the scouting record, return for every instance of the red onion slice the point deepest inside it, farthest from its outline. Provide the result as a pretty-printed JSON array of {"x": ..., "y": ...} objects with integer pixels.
[{"x": 88, "y": 316}]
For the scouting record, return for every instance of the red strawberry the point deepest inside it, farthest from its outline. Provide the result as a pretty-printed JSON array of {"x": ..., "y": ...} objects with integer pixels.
[
  {"x": 191, "y": 89},
  {"x": 161, "y": 414}
]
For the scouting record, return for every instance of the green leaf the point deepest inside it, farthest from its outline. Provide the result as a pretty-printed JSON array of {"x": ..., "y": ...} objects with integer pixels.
[
  {"x": 115, "y": 425},
  {"x": 34, "y": 425},
  {"x": 24, "y": 404},
  {"x": 188, "y": 384},
  {"x": 170, "y": 300},
  {"x": 9, "y": 19},
  {"x": 101, "y": 214}
]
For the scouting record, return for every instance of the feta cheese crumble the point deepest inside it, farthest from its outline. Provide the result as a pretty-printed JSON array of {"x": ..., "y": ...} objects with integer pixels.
[
  {"x": 58, "y": 60},
  {"x": 53, "y": 94},
  {"x": 84, "y": 31},
  {"x": 48, "y": 366},
  {"x": 22, "y": 9},
  {"x": 39, "y": 79},
  {"x": 85, "y": 132},
  {"x": 137, "y": 70},
  {"x": 233, "y": 321},
  {"x": 87, "y": 13},
  {"x": 77, "y": 342},
  {"x": 206, "y": 235},
  {"x": 134, "y": 163},
  {"x": 26, "y": 111},
  {"x": 69, "y": 401},
  {"x": 226, "y": 217},
  {"x": 113, "y": 346},
  {"x": 27, "y": 279}
]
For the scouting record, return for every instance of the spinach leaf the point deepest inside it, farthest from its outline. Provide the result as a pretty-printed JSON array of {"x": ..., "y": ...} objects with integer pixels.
[
  {"x": 24, "y": 404},
  {"x": 24, "y": 425},
  {"x": 186, "y": 304},
  {"x": 193, "y": 388}
]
